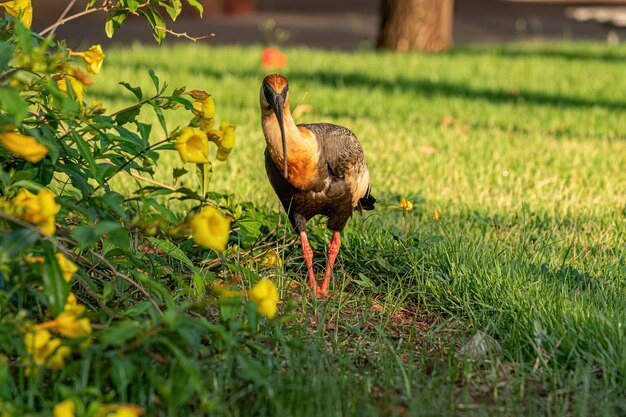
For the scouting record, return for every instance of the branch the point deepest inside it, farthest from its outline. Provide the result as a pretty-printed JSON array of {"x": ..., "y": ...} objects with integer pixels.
[
  {"x": 61, "y": 20},
  {"x": 66, "y": 251},
  {"x": 184, "y": 34},
  {"x": 125, "y": 164},
  {"x": 126, "y": 278},
  {"x": 153, "y": 182},
  {"x": 7, "y": 73},
  {"x": 65, "y": 12}
]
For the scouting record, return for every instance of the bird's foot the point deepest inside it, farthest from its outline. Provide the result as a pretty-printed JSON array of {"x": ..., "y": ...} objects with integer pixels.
[
  {"x": 322, "y": 293},
  {"x": 318, "y": 292}
]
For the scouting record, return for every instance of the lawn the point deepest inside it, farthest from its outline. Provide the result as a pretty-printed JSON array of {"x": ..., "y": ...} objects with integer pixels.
[{"x": 520, "y": 150}]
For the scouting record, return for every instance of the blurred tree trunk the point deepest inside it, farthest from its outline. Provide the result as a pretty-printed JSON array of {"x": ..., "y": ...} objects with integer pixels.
[{"x": 423, "y": 25}]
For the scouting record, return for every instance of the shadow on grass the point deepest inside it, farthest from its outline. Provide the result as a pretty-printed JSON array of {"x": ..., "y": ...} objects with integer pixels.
[
  {"x": 444, "y": 88},
  {"x": 492, "y": 274},
  {"x": 420, "y": 86},
  {"x": 582, "y": 54}
]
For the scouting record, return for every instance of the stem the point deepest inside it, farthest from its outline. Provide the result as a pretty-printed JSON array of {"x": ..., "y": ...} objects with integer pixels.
[
  {"x": 65, "y": 12},
  {"x": 7, "y": 73},
  {"x": 129, "y": 161},
  {"x": 206, "y": 171},
  {"x": 47, "y": 325},
  {"x": 68, "y": 253},
  {"x": 134, "y": 106},
  {"x": 126, "y": 278},
  {"x": 63, "y": 21}
]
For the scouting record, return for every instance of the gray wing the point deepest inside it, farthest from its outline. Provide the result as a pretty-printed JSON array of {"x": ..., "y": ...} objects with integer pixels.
[{"x": 341, "y": 151}]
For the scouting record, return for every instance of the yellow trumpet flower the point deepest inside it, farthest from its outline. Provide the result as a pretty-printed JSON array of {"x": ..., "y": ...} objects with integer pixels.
[
  {"x": 119, "y": 410},
  {"x": 72, "y": 327},
  {"x": 77, "y": 86},
  {"x": 72, "y": 306},
  {"x": 20, "y": 9},
  {"x": 205, "y": 108},
  {"x": 406, "y": 204},
  {"x": 68, "y": 324},
  {"x": 265, "y": 295},
  {"x": 210, "y": 229},
  {"x": 271, "y": 258},
  {"x": 67, "y": 267},
  {"x": 193, "y": 145},
  {"x": 45, "y": 349},
  {"x": 26, "y": 147},
  {"x": 64, "y": 409},
  {"x": 227, "y": 143},
  {"x": 40, "y": 209},
  {"x": 93, "y": 58}
]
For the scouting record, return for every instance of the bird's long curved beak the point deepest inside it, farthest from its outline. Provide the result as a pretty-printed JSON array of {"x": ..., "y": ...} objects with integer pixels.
[{"x": 278, "y": 105}]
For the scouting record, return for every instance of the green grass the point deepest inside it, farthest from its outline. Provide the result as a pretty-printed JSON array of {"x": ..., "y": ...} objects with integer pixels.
[{"x": 522, "y": 149}]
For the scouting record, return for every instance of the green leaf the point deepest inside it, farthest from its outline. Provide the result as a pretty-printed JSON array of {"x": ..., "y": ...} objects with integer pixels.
[
  {"x": 172, "y": 250},
  {"x": 123, "y": 371},
  {"x": 249, "y": 230},
  {"x": 188, "y": 105},
  {"x": 113, "y": 201},
  {"x": 135, "y": 90},
  {"x": 12, "y": 103},
  {"x": 189, "y": 194},
  {"x": 55, "y": 287},
  {"x": 154, "y": 285},
  {"x": 33, "y": 186},
  {"x": 364, "y": 282},
  {"x": 127, "y": 116},
  {"x": 7, "y": 50},
  {"x": 85, "y": 152},
  {"x": 178, "y": 172},
  {"x": 24, "y": 37},
  {"x": 104, "y": 172},
  {"x": 173, "y": 7},
  {"x": 120, "y": 333},
  {"x": 114, "y": 22},
  {"x": 155, "y": 79},
  {"x": 200, "y": 284},
  {"x": 197, "y": 5},
  {"x": 87, "y": 235},
  {"x": 163, "y": 210},
  {"x": 252, "y": 370},
  {"x": 77, "y": 178},
  {"x": 133, "y": 5},
  {"x": 47, "y": 137},
  {"x": 144, "y": 130},
  {"x": 156, "y": 23},
  {"x": 16, "y": 242},
  {"x": 230, "y": 307},
  {"x": 178, "y": 91},
  {"x": 159, "y": 114}
]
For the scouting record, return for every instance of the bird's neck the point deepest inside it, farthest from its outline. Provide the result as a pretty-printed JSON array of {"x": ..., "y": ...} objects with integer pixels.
[{"x": 302, "y": 149}]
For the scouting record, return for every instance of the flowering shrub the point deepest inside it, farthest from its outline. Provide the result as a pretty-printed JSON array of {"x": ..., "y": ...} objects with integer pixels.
[{"x": 98, "y": 288}]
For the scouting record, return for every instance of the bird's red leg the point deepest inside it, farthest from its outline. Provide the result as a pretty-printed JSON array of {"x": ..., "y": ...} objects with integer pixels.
[
  {"x": 333, "y": 250},
  {"x": 307, "y": 254}
]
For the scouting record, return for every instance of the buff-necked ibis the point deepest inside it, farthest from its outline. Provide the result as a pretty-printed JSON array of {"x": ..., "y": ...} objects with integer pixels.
[{"x": 314, "y": 169}]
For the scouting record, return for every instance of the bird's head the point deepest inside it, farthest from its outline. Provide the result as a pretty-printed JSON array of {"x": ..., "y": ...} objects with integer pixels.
[{"x": 274, "y": 96}]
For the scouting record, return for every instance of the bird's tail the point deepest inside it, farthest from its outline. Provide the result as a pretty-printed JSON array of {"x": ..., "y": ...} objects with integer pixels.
[{"x": 367, "y": 202}]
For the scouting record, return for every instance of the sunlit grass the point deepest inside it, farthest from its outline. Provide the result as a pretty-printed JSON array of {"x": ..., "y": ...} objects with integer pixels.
[
  {"x": 485, "y": 130},
  {"x": 521, "y": 150}
]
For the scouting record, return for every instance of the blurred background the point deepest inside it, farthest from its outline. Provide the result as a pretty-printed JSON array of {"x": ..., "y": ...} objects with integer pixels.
[{"x": 360, "y": 24}]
